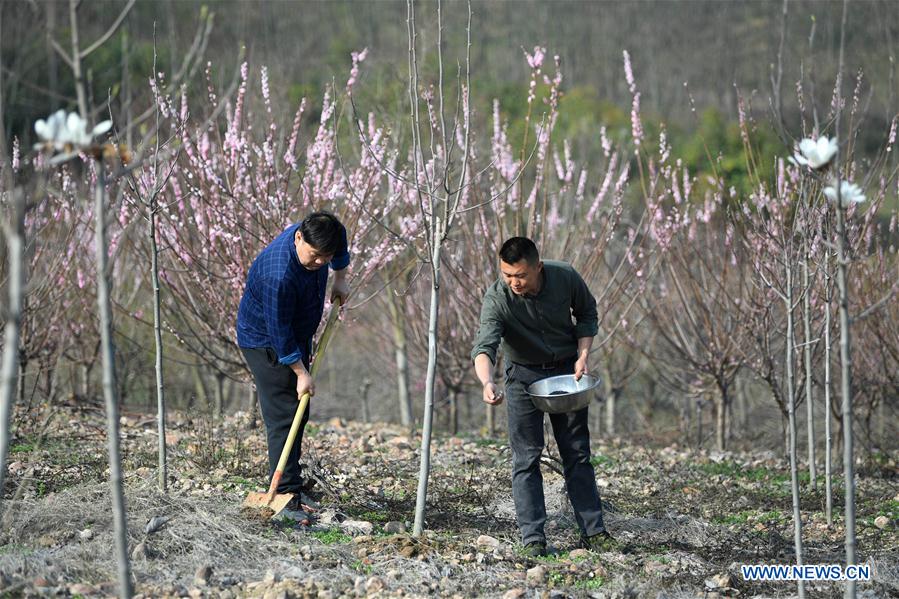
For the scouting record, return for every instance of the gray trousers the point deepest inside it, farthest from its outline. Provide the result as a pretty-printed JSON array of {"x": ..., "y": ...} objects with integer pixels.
[{"x": 527, "y": 442}]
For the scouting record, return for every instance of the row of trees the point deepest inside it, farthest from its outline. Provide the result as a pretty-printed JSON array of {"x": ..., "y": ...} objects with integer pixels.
[{"x": 699, "y": 285}]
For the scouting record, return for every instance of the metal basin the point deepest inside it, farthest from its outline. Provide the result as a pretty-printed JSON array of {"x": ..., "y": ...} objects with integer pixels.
[{"x": 560, "y": 394}]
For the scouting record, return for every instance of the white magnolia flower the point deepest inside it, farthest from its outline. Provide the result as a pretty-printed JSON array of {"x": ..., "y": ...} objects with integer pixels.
[
  {"x": 70, "y": 132},
  {"x": 815, "y": 154},
  {"x": 850, "y": 193}
]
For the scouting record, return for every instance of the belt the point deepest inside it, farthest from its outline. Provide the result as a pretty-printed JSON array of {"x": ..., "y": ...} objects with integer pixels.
[{"x": 549, "y": 365}]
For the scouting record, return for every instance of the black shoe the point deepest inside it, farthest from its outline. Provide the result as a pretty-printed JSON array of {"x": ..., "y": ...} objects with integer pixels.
[
  {"x": 534, "y": 549},
  {"x": 601, "y": 542}
]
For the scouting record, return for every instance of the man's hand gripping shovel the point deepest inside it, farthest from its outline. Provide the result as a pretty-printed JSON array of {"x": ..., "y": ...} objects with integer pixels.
[{"x": 272, "y": 500}]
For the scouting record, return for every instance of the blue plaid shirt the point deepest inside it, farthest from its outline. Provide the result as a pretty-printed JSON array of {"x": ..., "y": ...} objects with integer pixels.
[{"x": 283, "y": 302}]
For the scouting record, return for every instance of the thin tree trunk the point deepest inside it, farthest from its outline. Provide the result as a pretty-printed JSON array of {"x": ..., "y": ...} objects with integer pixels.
[
  {"x": 425, "y": 469},
  {"x": 828, "y": 449},
  {"x": 454, "y": 411},
  {"x": 698, "y": 424},
  {"x": 157, "y": 337},
  {"x": 846, "y": 390},
  {"x": 251, "y": 407},
  {"x": 720, "y": 424},
  {"x": 77, "y": 73},
  {"x": 402, "y": 364},
  {"x": 15, "y": 244},
  {"x": 363, "y": 395},
  {"x": 219, "y": 396},
  {"x": 85, "y": 380},
  {"x": 109, "y": 391},
  {"x": 791, "y": 411},
  {"x": 22, "y": 370},
  {"x": 610, "y": 394},
  {"x": 807, "y": 355}
]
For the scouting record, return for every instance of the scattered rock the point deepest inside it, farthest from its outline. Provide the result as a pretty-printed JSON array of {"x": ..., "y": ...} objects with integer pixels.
[
  {"x": 719, "y": 581},
  {"x": 513, "y": 593},
  {"x": 82, "y": 589},
  {"x": 40, "y": 581},
  {"x": 537, "y": 574},
  {"x": 357, "y": 527},
  {"x": 271, "y": 577},
  {"x": 654, "y": 567},
  {"x": 579, "y": 554},
  {"x": 393, "y": 527},
  {"x": 203, "y": 574},
  {"x": 275, "y": 594},
  {"x": 374, "y": 585},
  {"x": 141, "y": 551},
  {"x": 155, "y": 523},
  {"x": 194, "y": 593},
  {"x": 487, "y": 542},
  {"x": 881, "y": 522},
  {"x": 86, "y": 534}
]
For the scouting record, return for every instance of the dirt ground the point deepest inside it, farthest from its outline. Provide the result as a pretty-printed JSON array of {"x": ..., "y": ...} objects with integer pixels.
[{"x": 687, "y": 519}]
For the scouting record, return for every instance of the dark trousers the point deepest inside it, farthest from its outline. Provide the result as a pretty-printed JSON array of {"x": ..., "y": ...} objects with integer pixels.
[
  {"x": 276, "y": 385},
  {"x": 527, "y": 442}
]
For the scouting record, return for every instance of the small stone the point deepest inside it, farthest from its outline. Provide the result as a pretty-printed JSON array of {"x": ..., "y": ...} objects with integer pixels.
[
  {"x": 393, "y": 527},
  {"x": 513, "y": 593},
  {"x": 537, "y": 574},
  {"x": 86, "y": 534},
  {"x": 194, "y": 593},
  {"x": 275, "y": 594},
  {"x": 579, "y": 554},
  {"x": 47, "y": 541},
  {"x": 467, "y": 557},
  {"x": 140, "y": 551},
  {"x": 487, "y": 542},
  {"x": 374, "y": 585},
  {"x": 40, "y": 581},
  {"x": 271, "y": 577},
  {"x": 654, "y": 567},
  {"x": 600, "y": 572},
  {"x": 881, "y": 522},
  {"x": 203, "y": 574},
  {"x": 82, "y": 589},
  {"x": 718, "y": 581},
  {"x": 357, "y": 527}
]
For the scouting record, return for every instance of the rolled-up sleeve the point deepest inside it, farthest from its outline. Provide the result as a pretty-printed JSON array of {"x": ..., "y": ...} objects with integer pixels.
[
  {"x": 279, "y": 301},
  {"x": 583, "y": 308},
  {"x": 490, "y": 330},
  {"x": 341, "y": 257}
]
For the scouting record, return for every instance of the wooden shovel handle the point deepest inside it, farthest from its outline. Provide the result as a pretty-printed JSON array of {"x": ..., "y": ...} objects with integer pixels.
[{"x": 304, "y": 402}]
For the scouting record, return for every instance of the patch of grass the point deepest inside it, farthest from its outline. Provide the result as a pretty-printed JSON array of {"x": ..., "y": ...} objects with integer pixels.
[
  {"x": 555, "y": 579},
  {"x": 368, "y": 516},
  {"x": 601, "y": 460},
  {"x": 738, "y": 518},
  {"x": 22, "y": 448},
  {"x": 362, "y": 568},
  {"x": 13, "y": 549},
  {"x": 590, "y": 584},
  {"x": 487, "y": 442},
  {"x": 734, "y": 470},
  {"x": 331, "y": 536},
  {"x": 311, "y": 430}
]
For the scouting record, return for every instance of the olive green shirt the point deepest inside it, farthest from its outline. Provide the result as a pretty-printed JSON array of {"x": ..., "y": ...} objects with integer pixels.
[{"x": 541, "y": 328}]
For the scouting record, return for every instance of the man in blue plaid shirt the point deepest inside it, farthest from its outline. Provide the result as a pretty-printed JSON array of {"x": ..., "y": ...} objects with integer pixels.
[{"x": 279, "y": 313}]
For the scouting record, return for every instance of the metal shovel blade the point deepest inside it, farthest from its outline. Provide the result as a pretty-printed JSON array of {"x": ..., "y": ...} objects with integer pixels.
[{"x": 275, "y": 502}]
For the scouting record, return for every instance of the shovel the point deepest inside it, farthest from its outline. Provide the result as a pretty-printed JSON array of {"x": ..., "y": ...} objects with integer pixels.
[{"x": 272, "y": 500}]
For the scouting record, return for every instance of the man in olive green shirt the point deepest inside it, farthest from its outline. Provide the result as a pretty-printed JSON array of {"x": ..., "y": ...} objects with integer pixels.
[{"x": 545, "y": 317}]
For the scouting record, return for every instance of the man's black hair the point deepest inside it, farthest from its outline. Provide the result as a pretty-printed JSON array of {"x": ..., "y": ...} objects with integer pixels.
[
  {"x": 322, "y": 231},
  {"x": 516, "y": 249}
]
